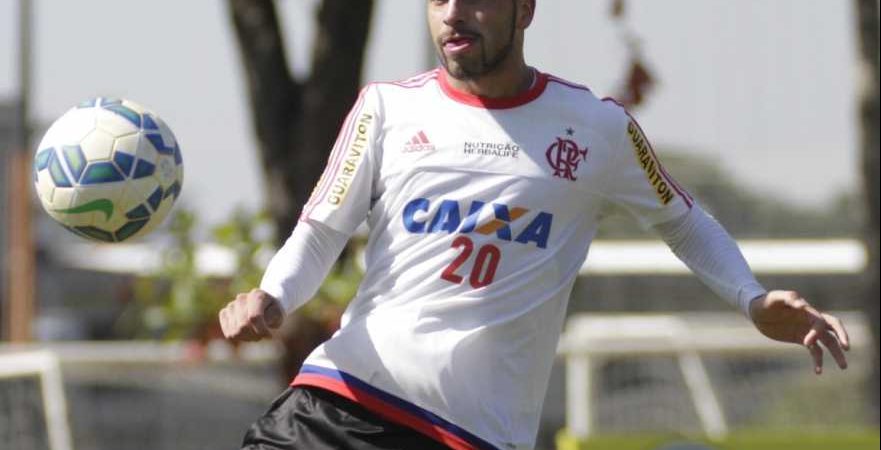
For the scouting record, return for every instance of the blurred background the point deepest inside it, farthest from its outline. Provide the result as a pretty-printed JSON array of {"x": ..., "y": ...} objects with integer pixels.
[{"x": 766, "y": 111}]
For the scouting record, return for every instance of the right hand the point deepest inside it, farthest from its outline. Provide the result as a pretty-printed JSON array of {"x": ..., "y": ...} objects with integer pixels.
[{"x": 251, "y": 316}]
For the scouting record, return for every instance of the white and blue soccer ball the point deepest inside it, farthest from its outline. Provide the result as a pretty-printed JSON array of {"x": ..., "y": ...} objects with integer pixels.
[{"x": 108, "y": 170}]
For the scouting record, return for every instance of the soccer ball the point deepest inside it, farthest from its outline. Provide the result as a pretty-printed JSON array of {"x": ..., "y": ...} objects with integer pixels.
[{"x": 108, "y": 170}]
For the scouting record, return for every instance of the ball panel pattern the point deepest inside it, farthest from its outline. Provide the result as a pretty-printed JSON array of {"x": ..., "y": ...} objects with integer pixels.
[
  {"x": 108, "y": 170},
  {"x": 101, "y": 172},
  {"x": 98, "y": 145},
  {"x": 58, "y": 174},
  {"x": 75, "y": 159},
  {"x": 124, "y": 162},
  {"x": 143, "y": 169},
  {"x": 139, "y": 212}
]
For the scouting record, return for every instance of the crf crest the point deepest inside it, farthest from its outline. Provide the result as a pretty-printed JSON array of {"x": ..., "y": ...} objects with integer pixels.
[{"x": 564, "y": 156}]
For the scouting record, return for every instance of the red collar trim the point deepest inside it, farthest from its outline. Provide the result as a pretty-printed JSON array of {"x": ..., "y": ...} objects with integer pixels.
[{"x": 541, "y": 82}]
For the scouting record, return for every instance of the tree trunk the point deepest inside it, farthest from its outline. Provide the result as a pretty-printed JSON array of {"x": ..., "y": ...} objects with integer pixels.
[
  {"x": 296, "y": 121},
  {"x": 867, "y": 28}
]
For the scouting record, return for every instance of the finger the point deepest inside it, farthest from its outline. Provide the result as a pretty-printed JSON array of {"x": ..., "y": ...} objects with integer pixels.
[
  {"x": 240, "y": 328},
  {"x": 258, "y": 327},
  {"x": 831, "y": 343},
  {"x": 273, "y": 314},
  {"x": 811, "y": 337},
  {"x": 818, "y": 327},
  {"x": 816, "y": 318},
  {"x": 254, "y": 306},
  {"x": 229, "y": 321},
  {"x": 801, "y": 305},
  {"x": 794, "y": 299},
  {"x": 839, "y": 330},
  {"x": 817, "y": 355},
  {"x": 222, "y": 316}
]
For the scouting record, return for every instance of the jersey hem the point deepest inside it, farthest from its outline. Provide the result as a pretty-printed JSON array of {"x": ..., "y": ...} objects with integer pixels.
[{"x": 390, "y": 407}]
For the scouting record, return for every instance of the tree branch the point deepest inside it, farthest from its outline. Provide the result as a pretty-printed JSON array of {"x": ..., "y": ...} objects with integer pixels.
[
  {"x": 274, "y": 95},
  {"x": 337, "y": 58},
  {"x": 276, "y": 102}
]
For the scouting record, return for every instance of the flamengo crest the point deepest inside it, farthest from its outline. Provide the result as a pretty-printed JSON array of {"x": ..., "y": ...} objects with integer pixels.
[{"x": 564, "y": 156}]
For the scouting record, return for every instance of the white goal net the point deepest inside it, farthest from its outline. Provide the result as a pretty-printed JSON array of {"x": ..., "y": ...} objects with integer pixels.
[
  {"x": 33, "y": 413},
  {"x": 703, "y": 374},
  {"x": 133, "y": 395}
]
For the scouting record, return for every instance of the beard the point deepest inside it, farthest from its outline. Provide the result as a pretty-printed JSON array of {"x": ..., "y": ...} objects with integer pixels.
[{"x": 473, "y": 68}]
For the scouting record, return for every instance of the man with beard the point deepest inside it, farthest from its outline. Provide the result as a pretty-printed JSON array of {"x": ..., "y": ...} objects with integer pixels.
[{"x": 482, "y": 183}]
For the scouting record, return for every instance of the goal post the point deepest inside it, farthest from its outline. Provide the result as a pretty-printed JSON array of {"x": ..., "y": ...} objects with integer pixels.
[
  {"x": 32, "y": 402},
  {"x": 676, "y": 351}
]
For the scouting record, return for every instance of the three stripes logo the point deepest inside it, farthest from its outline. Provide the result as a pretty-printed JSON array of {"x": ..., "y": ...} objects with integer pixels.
[{"x": 419, "y": 143}]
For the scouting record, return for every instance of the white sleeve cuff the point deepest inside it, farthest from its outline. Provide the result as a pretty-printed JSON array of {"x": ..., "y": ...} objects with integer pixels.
[{"x": 711, "y": 253}]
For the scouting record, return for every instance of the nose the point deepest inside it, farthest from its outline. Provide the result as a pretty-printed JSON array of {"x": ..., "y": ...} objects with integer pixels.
[{"x": 454, "y": 13}]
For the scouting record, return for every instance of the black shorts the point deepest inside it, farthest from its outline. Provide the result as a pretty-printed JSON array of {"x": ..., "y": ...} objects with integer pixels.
[{"x": 307, "y": 418}]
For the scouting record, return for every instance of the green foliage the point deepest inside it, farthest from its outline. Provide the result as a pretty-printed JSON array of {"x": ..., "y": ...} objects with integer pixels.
[
  {"x": 816, "y": 402},
  {"x": 743, "y": 212},
  {"x": 179, "y": 302},
  {"x": 867, "y": 439},
  {"x": 247, "y": 236}
]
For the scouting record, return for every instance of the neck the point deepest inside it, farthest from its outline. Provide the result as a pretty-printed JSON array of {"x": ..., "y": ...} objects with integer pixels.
[{"x": 505, "y": 82}]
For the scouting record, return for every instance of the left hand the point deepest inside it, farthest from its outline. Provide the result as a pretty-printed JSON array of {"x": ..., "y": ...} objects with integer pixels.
[{"x": 786, "y": 316}]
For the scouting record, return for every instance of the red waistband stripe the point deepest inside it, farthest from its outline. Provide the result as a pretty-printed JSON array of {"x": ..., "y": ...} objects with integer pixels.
[{"x": 390, "y": 407}]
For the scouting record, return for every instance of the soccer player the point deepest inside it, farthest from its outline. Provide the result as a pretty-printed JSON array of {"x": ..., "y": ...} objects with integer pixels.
[{"x": 482, "y": 183}]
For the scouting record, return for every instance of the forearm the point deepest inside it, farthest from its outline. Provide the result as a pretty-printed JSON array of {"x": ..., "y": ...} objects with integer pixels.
[
  {"x": 296, "y": 272},
  {"x": 710, "y": 252}
]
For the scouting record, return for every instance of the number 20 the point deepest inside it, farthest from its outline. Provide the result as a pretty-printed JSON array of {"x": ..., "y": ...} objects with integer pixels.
[{"x": 488, "y": 257}]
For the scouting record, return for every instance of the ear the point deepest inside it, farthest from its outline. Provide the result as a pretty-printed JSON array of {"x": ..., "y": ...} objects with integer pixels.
[{"x": 525, "y": 13}]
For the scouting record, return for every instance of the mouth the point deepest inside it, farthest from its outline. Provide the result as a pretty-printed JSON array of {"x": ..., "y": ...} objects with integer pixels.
[{"x": 458, "y": 43}]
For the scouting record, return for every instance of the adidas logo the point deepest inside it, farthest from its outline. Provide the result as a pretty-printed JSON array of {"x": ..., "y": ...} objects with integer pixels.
[{"x": 419, "y": 143}]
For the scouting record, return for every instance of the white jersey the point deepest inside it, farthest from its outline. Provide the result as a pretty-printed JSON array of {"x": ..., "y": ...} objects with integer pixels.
[{"x": 480, "y": 214}]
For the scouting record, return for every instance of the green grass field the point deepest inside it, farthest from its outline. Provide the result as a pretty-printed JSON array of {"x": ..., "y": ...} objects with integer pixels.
[{"x": 760, "y": 440}]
